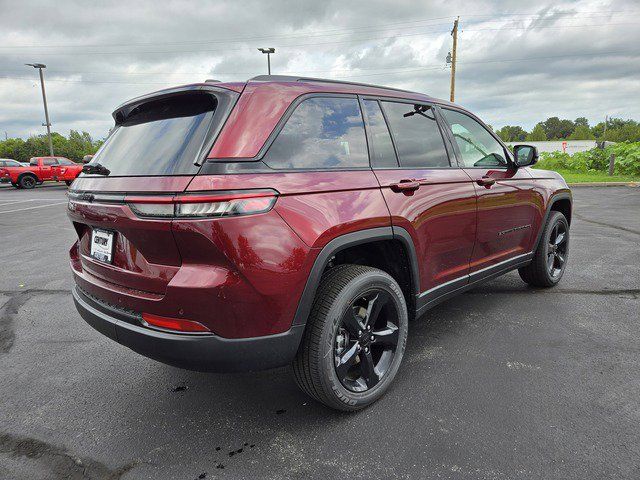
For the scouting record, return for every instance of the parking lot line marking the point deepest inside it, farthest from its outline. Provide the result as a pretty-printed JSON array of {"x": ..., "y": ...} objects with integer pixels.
[
  {"x": 17, "y": 201},
  {"x": 33, "y": 208}
]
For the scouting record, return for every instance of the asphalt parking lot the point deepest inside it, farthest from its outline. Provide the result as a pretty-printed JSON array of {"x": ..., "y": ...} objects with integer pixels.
[{"x": 504, "y": 382}]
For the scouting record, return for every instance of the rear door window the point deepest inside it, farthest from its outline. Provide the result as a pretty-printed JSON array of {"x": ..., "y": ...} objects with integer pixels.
[
  {"x": 417, "y": 137},
  {"x": 49, "y": 161},
  {"x": 382, "y": 151},
  {"x": 322, "y": 133},
  {"x": 162, "y": 136}
]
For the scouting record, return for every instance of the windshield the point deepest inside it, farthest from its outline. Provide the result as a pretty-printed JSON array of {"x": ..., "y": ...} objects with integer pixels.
[{"x": 161, "y": 137}]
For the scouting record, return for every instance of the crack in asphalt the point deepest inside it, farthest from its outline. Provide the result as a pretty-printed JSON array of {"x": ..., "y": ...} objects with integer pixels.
[
  {"x": 59, "y": 462},
  {"x": 604, "y": 224},
  {"x": 9, "y": 310}
]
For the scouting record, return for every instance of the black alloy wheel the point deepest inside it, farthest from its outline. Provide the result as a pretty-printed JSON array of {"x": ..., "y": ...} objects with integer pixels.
[
  {"x": 557, "y": 251},
  {"x": 366, "y": 341},
  {"x": 550, "y": 257},
  {"x": 355, "y": 338}
]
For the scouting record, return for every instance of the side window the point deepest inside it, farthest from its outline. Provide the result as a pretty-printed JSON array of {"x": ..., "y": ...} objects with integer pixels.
[
  {"x": 382, "y": 154},
  {"x": 33, "y": 162},
  {"x": 322, "y": 132},
  {"x": 477, "y": 146},
  {"x": 50, "y": 161},
  {"x": 64, "y": 161},
  {"x": 418, "y": 139}
]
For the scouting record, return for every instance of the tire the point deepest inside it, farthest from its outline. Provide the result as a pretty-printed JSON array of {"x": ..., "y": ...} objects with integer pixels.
[
  {"x": 27, "y": 181},
  {"x": 369, "y": 361},
  {"x": 550, "y": 258}
]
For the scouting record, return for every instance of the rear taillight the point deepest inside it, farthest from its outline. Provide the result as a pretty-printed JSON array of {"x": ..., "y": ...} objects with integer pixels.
[
  {"x": 203, "y": 205},
  {"x": 175, "y": 324}
]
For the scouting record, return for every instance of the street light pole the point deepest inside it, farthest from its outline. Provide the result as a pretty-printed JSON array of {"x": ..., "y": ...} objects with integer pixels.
[
  {"x": 268, "y": 51},
  {"x": 40, "y": 66}
]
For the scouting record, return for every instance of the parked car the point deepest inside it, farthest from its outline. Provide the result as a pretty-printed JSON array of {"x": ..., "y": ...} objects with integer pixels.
[
  {"x": 7, "y": 162},
  {"x": 41, "y": 169},
  {"x": 245, "y": 226}
]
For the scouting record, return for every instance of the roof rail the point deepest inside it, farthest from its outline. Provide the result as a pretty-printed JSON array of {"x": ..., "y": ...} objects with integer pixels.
[
  {"x": 292, "y": 78},
  {"x": 274, "y": 78}
]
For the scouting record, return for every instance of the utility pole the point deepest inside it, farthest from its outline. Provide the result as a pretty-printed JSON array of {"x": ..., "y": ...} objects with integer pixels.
[
  {"x": 454, "y": 33},
  {"x": 268, "y": 51},
  {"x": 40, "y": 66}
]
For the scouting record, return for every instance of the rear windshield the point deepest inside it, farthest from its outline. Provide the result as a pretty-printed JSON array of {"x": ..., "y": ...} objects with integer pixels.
[{"x": 161, "y": 137}]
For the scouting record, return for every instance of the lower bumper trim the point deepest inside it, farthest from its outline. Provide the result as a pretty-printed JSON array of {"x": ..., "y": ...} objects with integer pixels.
[{"x": 207, "y": 353}]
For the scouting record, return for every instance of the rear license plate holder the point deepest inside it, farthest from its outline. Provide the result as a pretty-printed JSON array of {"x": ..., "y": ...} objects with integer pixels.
[{"x": 102, "y": 245}]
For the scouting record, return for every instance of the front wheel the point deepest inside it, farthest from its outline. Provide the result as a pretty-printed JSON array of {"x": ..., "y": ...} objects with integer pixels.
[
  {"x": 355, "y": 338},
  {"x": 550, "y": 258}
]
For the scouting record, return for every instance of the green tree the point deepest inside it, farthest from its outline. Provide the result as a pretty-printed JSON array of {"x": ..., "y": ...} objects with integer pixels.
[
  {"x": 556, "y": 129},
  {"x": 510, "y": 133},
  {"x": 74, "y": 147},
  {"x": 618, "y": 130},
  {"x": 537, "y": 134},
  {"x": 582, "y": 132},
  {"x": 581, "y": 122}
]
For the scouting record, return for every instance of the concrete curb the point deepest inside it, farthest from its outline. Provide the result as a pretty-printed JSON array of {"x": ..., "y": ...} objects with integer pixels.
[{"x": 605, "y": 184}]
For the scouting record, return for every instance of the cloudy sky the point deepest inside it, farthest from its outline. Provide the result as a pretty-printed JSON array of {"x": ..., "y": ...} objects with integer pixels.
[{"x": 519, "y": 62}]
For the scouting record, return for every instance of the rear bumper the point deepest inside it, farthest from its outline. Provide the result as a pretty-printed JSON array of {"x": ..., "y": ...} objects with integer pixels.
[{"x": 193, "y": 352}]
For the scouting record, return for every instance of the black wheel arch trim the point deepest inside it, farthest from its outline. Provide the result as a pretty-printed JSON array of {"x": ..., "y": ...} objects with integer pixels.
[
  {"x": 566, "y": 195},
  {"x": 345, "y": 241}
]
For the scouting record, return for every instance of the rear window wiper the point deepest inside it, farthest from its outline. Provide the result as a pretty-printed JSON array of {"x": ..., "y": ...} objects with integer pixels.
[{"x": 96, "y": 168}]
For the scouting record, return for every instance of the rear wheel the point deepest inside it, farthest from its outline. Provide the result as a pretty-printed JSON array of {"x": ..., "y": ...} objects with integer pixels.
[
  {"x": 550, "y": 258},
  {"x": 27, "y": 181},
  {"x": 355, "y": 338}
]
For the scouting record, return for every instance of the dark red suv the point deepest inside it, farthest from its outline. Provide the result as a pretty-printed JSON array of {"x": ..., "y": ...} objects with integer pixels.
[{"x": 246, "y": 226}]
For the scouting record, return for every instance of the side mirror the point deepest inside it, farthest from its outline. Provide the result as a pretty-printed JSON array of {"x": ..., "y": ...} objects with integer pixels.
[{"x": 525, "y": 155}]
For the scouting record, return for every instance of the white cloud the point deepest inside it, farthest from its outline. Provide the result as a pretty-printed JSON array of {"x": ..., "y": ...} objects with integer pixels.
[{"x": 517, "y": 64}]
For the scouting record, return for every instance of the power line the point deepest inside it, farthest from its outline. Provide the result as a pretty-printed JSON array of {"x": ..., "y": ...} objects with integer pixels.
[
  {"x": 228, "y": 40},
  {"x": 312, "y": 33},
  {"x": 387, "y": 72},
  {"x": 315, "y": 44}
]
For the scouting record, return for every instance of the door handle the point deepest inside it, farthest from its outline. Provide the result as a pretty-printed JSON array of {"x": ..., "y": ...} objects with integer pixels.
[
  {"x": 486, "y": 181},
  {"x": 407, "y": 186}
]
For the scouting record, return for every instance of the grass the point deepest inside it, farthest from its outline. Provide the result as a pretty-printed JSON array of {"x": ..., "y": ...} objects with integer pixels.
[{"x": 580, "y": 177}]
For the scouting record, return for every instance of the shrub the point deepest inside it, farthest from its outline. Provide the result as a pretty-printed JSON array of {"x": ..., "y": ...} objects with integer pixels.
[{"x": 627, "y": 160}]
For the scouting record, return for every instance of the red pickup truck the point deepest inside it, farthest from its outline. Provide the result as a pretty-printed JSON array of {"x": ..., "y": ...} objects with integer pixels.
[{"x": 41, "y": 169}]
